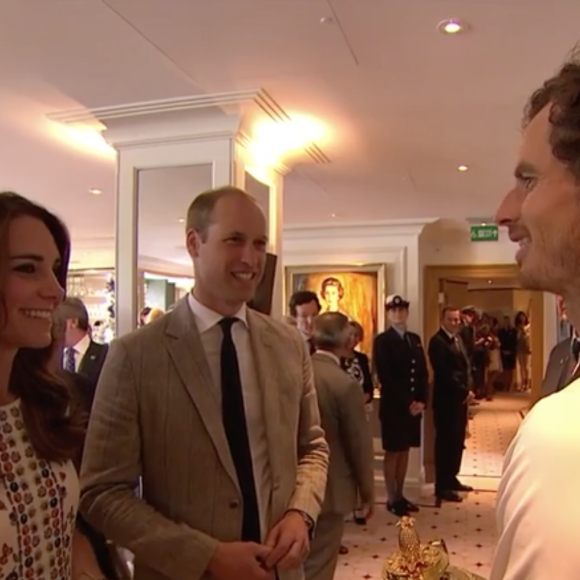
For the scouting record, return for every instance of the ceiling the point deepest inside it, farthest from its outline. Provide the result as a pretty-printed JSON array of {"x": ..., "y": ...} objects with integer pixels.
[{"x": 404, "y": 105}]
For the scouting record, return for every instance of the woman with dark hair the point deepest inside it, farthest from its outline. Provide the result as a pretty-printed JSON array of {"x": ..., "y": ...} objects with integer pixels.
[
  {"x": 40, "y": 431},
  {"x": 523, "y": 349}
]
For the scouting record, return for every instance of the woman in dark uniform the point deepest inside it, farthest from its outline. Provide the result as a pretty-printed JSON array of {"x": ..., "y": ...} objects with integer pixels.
[{"x": 401, "y": 368}]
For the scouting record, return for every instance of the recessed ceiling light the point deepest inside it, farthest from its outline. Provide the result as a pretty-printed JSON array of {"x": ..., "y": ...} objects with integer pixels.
[
  {"x": 95, "y": 191},
  {"x": 450, "y": 27},
  {"x": 490, "y": 281},
  {"x": 326, "y": 20},
  {"x": 462, "y": 168},
  {"x": 332, "y": 215},
  {"x": 181, "y": 221}
]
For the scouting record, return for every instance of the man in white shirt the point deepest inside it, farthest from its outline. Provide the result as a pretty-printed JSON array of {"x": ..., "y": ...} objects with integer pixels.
[
  {"x": 214, "y": 407},
  {"x": 538, "y": 509}
]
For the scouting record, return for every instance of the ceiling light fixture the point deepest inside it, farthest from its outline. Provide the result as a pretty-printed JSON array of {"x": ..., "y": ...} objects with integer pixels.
[
  {"x": 95, "y": 191},
  {"x": 450, "y": 27},
  {"x": 333, "y": 215},
  {"x": 326, "y": 20},
  {"x": 462, "y": 168},
  {"x": 181, "y": 221}
]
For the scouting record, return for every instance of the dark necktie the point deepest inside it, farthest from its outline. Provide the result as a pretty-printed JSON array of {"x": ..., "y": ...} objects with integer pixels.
[
  {"x": 70, "y": 361},
  {"x": 234, "y": 420}
]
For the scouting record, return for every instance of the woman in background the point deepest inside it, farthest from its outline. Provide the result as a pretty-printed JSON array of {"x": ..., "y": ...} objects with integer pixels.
[
  {"x": 523, "y": 349},
  {"x": 357, "y": 364},
  {"x": 39, "y": 487}
]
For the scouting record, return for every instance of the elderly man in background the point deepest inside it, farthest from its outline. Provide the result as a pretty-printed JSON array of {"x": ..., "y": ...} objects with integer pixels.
[{"x": 343, "y": 418}]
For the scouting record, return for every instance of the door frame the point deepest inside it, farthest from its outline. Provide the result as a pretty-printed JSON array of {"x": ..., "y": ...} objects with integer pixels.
[{"x": 432, "y": 276}]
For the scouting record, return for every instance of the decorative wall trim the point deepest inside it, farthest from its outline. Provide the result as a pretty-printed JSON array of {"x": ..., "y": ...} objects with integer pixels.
[
  {"x": 387, "y": 228},
  {"x": 99, "y": 117},
  {"x": 104, "y": 114}
]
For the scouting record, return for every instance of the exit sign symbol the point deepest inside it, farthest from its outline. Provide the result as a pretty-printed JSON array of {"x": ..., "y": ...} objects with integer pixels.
[{"x": 484, "y": 233}]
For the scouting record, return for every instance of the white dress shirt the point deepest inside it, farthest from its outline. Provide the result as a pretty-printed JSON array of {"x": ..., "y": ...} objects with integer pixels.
[
  {"x": 211, "y": 337},
  {"x": 538, "y": 511},
  {"x": 80, "y": 349}
]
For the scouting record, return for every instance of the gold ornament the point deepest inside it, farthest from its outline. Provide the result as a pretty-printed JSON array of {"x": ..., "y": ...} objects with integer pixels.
[{"x": 416, "y": 561}]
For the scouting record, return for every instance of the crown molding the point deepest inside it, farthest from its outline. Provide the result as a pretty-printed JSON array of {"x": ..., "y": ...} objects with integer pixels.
[
  {"x": 98, "y": 118},
  {"x": 386, "y": 228},
  {"x": 147, "y": 108}
]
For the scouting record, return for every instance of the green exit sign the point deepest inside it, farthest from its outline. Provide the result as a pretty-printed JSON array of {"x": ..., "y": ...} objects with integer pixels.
[{"x": 484, "y": 233}]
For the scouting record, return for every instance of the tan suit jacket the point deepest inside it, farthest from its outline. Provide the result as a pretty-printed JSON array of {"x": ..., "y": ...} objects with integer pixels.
[
  {"x": 155, "y": 415},
  {"x": 342, "y": 412}
]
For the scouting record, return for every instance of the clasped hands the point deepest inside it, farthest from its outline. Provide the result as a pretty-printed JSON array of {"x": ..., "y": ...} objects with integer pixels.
[
  {"x": 285, "y": 548},
  {"x": 416, "y": 408}
]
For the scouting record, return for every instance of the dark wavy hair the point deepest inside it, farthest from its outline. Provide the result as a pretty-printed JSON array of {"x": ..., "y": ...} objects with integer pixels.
[
  {"x": 53, "y": 425},
  {"x": 562, "y": 93}
]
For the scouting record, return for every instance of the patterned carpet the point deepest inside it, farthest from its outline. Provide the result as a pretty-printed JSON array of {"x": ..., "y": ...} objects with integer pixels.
[
  {"x": 492, "y": 428},
  {"x": 467, "y": 528},
  {"x": 468, "y": 531}
]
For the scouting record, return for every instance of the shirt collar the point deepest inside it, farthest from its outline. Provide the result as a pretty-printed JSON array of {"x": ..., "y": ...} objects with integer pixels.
[
  {"x": 451, "y": 336},
  {"x": 205, "y": 318},
  {"x": 401, "y": 331},
  {"x": 330, "y": 355},
  {"x": 82, "y": 345}
]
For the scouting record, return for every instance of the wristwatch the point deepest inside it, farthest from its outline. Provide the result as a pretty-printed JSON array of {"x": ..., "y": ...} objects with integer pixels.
[{"x": 307, "y": 520}]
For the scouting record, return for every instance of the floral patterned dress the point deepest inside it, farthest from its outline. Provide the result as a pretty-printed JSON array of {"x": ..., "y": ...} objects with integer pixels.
[{"x": 38, "y": 506}]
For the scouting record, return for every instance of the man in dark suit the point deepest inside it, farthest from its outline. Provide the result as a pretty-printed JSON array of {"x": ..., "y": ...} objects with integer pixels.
[
  {"x": 401, "y": 369},
  {"x": 81, "y": 354},
  {"x": 451, "y": 397},
  {"x": 304, "y": 307}
]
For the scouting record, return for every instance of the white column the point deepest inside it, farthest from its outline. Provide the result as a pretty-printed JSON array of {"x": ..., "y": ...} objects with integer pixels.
[
  {"x": 126, "y": 251},
  {"x": 132, "y": 159},
  {"x": 231, "y": 131}
]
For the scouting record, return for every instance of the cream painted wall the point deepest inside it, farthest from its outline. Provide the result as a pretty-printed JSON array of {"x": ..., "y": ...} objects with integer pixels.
[{"x": 394, "y": 244}]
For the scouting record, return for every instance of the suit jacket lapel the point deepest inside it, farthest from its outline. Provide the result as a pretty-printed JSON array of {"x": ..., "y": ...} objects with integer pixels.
[
  {"x": 186, "y": 350},
  {"x": 269, "y": 381}
]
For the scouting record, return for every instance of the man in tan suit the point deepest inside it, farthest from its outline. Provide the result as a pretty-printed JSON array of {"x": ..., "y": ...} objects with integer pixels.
[
  {"x": 214, "y": 406},
  {"x": 343, "y": 417}
]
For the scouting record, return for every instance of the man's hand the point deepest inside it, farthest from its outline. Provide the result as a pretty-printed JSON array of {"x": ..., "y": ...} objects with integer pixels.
[
  {"x": 235, "y": 560},
  {"x": 470, "y": 397},
  {"x": 416, "y": 408},
  {"x": 288, "y": 541}
]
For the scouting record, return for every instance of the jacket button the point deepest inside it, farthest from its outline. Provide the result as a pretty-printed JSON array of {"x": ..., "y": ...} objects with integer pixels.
[{"x": 234, "y": 504}]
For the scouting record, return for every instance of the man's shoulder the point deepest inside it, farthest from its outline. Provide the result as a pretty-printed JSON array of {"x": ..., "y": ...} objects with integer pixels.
[
  {"x": 283, "y": 330},
  {"x": 561, "y": 348},
  {"x": 553, "y": 422},
  {"x": 335, "y": 377},
  {"x": 144, "y": 334}
]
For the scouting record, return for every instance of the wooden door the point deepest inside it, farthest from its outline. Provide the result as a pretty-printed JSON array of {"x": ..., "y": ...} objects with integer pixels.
[{"x": 455, "y": 293}]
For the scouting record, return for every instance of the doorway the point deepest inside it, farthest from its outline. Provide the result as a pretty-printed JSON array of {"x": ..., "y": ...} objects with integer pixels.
[{"x": 493, "y": 289}]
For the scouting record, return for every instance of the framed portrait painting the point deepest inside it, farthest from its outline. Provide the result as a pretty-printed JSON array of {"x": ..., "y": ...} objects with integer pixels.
[{"x": 356, "y": 291}]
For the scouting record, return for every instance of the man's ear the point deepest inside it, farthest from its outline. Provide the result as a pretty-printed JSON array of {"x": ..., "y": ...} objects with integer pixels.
[{"x": 192, "y": 242}]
